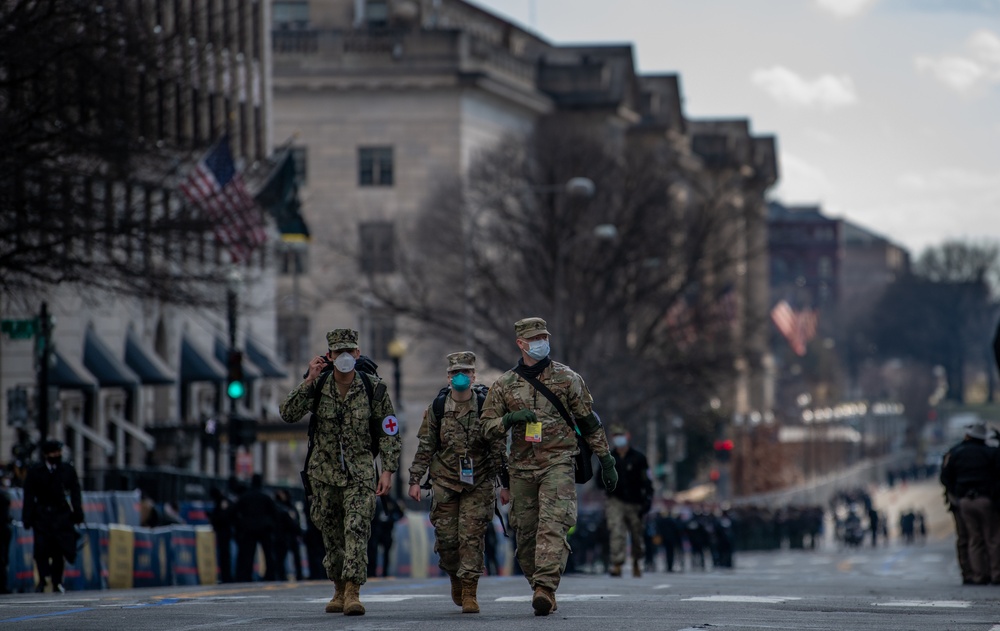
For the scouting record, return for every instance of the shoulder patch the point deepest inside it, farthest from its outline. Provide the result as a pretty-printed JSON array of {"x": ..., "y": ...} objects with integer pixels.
[{"x": 390, "y": 425}]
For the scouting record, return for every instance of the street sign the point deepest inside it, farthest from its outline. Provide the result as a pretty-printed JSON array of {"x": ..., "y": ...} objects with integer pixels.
[{"x": 19, "y": 329}]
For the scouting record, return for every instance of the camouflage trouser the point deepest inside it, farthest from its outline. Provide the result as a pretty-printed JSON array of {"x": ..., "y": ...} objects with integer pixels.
[
  {"x": 343, "y": 514},
  {"x": 624, "y": 519},
  {"x": 542, "y": 510},
  {"x": 460, "y": 520}
]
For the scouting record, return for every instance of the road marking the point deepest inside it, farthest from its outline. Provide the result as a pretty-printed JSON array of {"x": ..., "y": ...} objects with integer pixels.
[
  {"x": 955, "y": 604},
  {"x": 661, "y": 586},
  {"x": 820, "y": 561},
  {"x": 562, "y": 598},
  {"x": 743, "y": 599},
  {"x": 47, "y": 615}
]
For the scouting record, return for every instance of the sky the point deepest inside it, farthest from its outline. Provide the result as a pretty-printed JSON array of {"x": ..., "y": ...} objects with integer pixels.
[{"x": 886, "y": 112}]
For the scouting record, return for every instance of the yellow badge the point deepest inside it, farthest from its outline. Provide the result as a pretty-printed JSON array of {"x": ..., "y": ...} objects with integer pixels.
[{"x": 533, "y": 432}]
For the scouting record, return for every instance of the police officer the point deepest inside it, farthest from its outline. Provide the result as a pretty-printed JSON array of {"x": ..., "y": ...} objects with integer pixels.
[
  {"x": 628, "y": 502},
  {"x": 52, "y": 505},
  {"x": 969, "y": 472},
  {"x": 463, "y": 467},
  {"x": 340, "y": 469},
  {"x": 543, "y": 446}
]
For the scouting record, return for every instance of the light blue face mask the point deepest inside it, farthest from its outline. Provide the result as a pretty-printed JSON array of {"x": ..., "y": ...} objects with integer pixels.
[
  {"x": 538, "y": 349},
  {"x": 461, "y": 382}
]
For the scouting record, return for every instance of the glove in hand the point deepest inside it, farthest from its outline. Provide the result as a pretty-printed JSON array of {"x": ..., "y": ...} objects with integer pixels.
[
  {"x": 511, "y": 419},
  {"x": 609, "y": 475}
]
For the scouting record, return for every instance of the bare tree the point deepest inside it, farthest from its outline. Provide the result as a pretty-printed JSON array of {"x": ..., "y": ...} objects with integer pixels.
[
  {"x": 642, "y": 312},
  {"x": 93, "y": 98}
]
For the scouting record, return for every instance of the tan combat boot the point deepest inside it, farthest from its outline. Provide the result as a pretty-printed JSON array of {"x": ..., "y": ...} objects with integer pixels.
[
  {"x": 456, "y": 589},
  {"x": 543, "y": 601},
  {"x": 352, "y": 602},
  {"x": 336, "y": 604},
  {"x": 636, "y": 569},
  {"x": 469, "y": 602},
  {"x": 616, "y": 570}
]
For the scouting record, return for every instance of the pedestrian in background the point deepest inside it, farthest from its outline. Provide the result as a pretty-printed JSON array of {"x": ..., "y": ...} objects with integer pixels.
[
  {"x": 255, "y": 517},
  {"x": 221, "y": 519},
  {"x": 387, "y": 513},
  {"x": 288, "y": 535},
  {"x": 627, "y": 503},
  {"x": 970, "y": 473},
  {"x": 463, "y": 466},
  {"x": 543, "y": 447},
  {"x": 340, "y": 469},
  {"x": 52, "y": 506}
]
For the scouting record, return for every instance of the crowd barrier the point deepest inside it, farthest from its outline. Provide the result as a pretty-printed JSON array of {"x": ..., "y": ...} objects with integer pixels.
[{"x": 115, "y": 552}]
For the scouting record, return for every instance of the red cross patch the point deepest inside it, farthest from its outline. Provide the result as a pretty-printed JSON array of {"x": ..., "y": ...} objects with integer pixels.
[{"x": 390, "y": 426}]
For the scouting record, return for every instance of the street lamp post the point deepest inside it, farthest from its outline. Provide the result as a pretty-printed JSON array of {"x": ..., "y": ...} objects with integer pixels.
[
  {"x": 397, "y": 349},
  {"x": 602, "y": 232},
  {"x": 234, "y": 284}
]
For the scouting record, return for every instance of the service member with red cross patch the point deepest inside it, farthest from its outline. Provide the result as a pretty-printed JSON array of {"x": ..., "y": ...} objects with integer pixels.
[{"x": 340, "y": 468}]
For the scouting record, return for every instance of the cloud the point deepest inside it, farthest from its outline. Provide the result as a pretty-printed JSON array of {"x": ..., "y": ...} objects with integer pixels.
[
  {"x": 844, "y": 8},
  {"x": 966, "y": 73},
  {"x": 800, "y": 181},
  {"x": 786, "y": 87}
]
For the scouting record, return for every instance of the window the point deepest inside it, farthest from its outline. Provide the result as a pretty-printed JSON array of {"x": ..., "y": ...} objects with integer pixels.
[
  {"x": 290, "y": 14},
  {"x": 293, "y": 260},
  {"x": 375, "y": 166},
  {"x": 377, "y": 13},
  {"x": 382, "y": 330},
  {"x": 293, "y": 339},
  {"x": 378, "y": 247}
]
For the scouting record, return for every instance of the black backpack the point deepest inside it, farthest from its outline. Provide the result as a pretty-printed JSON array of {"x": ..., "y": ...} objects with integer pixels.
[
  {"x": 438, "y": 406},
  {"x": 367, "y": 369}
]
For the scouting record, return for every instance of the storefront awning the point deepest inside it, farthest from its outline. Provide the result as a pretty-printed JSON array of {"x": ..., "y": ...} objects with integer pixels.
[
  {"x": 146, "y": 364},
  {"x": 92, "y": 436},
  {"x": 250, "y": 372},
  {"x": 199, "y": 366},
  {"x": 110, "y": 371},
  {"x": 268, "y": 366},
  {"x": 69, "y": 375},
  {"x": 135, "y": 431}
]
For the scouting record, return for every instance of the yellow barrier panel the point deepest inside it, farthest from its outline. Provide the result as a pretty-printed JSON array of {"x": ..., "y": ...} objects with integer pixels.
[
  {"x": 205, "y": 544},
  {"x": 121, "y": 550}
]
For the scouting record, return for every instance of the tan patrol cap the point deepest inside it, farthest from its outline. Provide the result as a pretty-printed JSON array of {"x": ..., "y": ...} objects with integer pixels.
[
  {"x": 342, "y": 339},
  {"x": 530, "y": 327},
  {"x": 462, "y": 360}
]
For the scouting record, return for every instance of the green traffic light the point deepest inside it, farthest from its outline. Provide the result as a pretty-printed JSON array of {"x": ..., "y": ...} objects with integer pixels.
[{"x": 236, "y": 389}]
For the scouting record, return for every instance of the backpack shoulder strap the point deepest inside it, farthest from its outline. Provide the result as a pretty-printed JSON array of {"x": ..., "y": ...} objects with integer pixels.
[{"x": 438, "y": 406}]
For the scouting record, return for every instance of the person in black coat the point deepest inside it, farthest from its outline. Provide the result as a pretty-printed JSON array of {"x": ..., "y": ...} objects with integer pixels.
[
  {"x": 221, "y": 519},
  {"x": 289, "y": 534},
  {"x": 255, "y": 516},
  {"x": 52, "y": 506},
  {"x": 5, "y": 535}
]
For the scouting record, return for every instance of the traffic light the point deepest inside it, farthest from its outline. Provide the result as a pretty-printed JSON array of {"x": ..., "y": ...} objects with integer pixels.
[
  {"x": 723, "y": 450},
  {"x": 236, "y": 387}
]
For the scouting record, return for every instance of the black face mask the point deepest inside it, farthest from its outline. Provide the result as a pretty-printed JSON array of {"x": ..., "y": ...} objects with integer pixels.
[{"x": 53, "y": 459}]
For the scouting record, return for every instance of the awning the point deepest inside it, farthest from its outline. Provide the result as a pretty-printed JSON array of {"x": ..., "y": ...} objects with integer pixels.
[
  {"x": 267, "y": 365},
  {"x": 92, "y": 436},
  {"x": 110, "y": 371},
  {"x": 69, "y": 375},
  {"x": 197, "y": 366},
  {"x": 250, "y": 372},
  {"x": 137, "y": 432},
  {"x": 146, "y": 364}
]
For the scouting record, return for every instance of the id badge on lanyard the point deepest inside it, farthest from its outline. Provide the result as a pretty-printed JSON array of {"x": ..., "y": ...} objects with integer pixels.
[
  {"x": 465, "y": 470},
  {"x": 533, "y": 432}
]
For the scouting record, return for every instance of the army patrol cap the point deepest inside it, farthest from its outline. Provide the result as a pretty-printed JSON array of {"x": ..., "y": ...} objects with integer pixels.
[
  {"x": 617, "y": 429},
  {"x": 530, "y": 327},
  {"x": 342, "y": 339},
  {"x": 463, "y": 360}
]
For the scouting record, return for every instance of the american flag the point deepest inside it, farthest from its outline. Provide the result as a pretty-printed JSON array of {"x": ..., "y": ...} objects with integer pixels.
[
  {"x": 798, "y": 327},
  {"x": 218, "y": 190}
]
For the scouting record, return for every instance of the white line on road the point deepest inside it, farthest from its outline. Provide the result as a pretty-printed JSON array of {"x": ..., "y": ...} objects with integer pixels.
[
  {"x": 956, "y": 604},
  {"x": 563, "y": 598},
  {"x": 743, "y": 599},
  {"x": 661, "y": 586}
]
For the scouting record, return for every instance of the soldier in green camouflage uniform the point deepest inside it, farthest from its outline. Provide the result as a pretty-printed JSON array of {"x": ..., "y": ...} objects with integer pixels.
[
  {"x": 542, "y": 483},
  {"x": 463, "y": 505},
  {"x": 341, "y": 470}
]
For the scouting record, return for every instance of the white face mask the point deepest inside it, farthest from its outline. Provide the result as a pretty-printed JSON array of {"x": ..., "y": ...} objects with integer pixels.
[
  {"x": 344, "y": 362},
  {"x": 620, "y": 441}
]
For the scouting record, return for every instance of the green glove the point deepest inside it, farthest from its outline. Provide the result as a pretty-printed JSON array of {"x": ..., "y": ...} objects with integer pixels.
[
  {"x": 609, "y": 475},
  {"x": 514, "y": 418}
]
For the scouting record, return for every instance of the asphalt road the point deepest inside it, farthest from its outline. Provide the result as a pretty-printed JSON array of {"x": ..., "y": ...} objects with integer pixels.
[{"x": 893, "y": 588}]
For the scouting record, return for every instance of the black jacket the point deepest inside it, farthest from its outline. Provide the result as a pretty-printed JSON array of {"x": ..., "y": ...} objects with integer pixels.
[
  {"x": 634, "y": 485},
  {"x": 52, "y": 499},
  {"x": 970, "y": 467}
]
